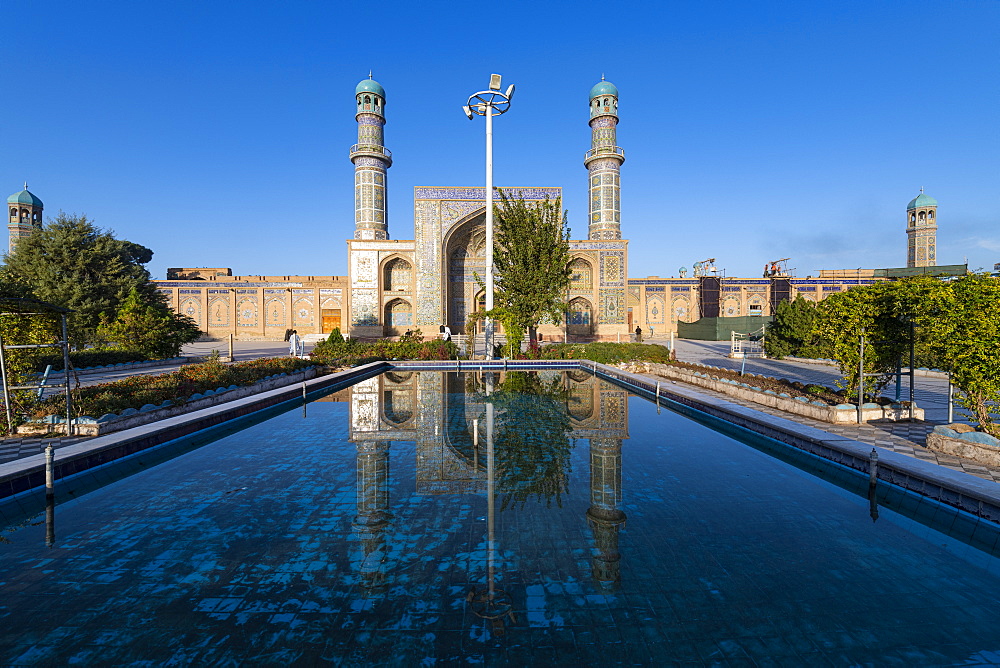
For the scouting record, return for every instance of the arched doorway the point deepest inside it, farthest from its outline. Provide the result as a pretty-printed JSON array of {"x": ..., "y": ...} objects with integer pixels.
[
  {"x": 398, "y": 317},
  {"x": 465, "y": 259},
  {"x": 580, "y": 318}
]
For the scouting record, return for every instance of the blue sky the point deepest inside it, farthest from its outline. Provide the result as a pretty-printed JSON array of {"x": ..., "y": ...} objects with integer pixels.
[{"x": 216, "y": 133}]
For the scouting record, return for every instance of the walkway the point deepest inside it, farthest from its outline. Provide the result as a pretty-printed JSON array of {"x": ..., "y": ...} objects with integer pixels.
[{"x": 908, "y": 438}]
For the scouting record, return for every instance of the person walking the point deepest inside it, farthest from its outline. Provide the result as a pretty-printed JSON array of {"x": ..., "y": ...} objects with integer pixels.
[
  {"x": 638, "y": 334},
  {"x": 293, "y": 343},
  {"x": 447, "y": 333}
]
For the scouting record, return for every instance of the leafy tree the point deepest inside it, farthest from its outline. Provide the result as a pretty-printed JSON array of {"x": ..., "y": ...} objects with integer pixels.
[
  {"x": 532, "y": 438},
  {"x": 870, "y": 311},
  {"x": 531, "y": 265},
  {"x": 791, "y": 332},
  {"x": 962, "y": 319},
  {"x": 74, "y": 264},
  {"x": 150, "y": 328}
]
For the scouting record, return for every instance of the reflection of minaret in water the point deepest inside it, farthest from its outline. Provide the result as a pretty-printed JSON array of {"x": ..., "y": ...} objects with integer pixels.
[
  {"x": 373, "y": 513},
  {"x": 605, "y": 515}
]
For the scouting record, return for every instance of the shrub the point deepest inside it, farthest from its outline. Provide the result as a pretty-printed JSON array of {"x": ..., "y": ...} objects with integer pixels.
[
  {"x": 608, "y": 353},
  {"x": 411, "y": 347}
]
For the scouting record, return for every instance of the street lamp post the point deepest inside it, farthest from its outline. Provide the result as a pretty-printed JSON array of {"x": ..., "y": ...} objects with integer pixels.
[{"x": 489, "y": 103}]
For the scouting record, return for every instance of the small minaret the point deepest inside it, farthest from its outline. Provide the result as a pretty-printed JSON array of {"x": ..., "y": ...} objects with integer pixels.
[
  {"x": 24, "y": 216},
  {"x": 603, "y": 163},
  {"x": 371, "y": 160},
  {"x": 921, "y": 231}
]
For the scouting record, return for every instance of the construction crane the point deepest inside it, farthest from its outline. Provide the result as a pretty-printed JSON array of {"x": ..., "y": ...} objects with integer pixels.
[
  {"x": 705, "y": 267},
  {"x": 777, "y": 269}
]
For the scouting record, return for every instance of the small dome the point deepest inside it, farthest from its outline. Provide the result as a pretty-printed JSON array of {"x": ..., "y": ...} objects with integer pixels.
[
  {"x": 921, "y": 200},
  {"x": 603, "y": 87},
  {"x": 369, "y": 85},
  {"x": 24, "y": 197}
]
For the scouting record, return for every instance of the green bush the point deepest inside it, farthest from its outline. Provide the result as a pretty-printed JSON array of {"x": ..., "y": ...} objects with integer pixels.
[
  {"x": 344, "y": 352},
  {"x": 608, "y": 353}
]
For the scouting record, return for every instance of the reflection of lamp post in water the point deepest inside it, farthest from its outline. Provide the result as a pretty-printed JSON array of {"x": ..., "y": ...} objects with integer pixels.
[
  {"x": 490, "y": 603},
  {"x": 605, "y": 515}
]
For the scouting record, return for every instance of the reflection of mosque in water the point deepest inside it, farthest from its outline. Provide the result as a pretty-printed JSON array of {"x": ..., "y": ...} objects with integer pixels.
[{"x": 445, "y": 415}]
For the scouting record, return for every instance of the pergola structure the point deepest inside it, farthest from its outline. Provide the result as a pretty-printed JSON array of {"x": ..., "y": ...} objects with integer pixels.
[{"x": 22, "y": 307}]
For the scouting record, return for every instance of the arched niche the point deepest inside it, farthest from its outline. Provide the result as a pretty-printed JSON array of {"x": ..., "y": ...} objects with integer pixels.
[
  {"x": 398, "y": 317},
  {"x": 580, "y": 317},
  {"x": 397, "y": 275},
  {"x": 581, "y": 277}
]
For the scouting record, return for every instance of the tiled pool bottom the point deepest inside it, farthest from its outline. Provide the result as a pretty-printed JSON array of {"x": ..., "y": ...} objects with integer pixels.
[{"x": 355, "y": 534}]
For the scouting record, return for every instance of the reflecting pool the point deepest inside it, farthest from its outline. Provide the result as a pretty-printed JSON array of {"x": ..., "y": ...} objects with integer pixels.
[{"x": 527, "y": 518}]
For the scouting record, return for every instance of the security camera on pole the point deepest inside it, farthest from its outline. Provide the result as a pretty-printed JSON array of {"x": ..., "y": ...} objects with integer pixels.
[{"x": 489, "y": 103}]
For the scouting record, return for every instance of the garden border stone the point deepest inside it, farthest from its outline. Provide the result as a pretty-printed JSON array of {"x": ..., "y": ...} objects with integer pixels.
[
  {"x": 841, "y": 414},
  {"x": 135, "y": 417}
]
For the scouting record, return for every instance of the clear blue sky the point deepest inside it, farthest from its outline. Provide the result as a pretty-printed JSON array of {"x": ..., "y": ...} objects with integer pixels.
[{"x": 216, "y": 133}]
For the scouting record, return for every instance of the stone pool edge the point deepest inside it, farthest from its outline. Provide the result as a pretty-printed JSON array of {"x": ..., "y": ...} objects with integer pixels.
[
  {"x": 959, "y": 490},
  {"x": 27, "y": 474}
]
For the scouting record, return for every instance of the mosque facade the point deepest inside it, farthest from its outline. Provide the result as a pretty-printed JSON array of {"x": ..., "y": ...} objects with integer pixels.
[{"x": 431, "y": 280}]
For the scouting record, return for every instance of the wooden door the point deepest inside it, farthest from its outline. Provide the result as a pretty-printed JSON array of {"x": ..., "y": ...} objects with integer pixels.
[{"x": 331, "y": 319}]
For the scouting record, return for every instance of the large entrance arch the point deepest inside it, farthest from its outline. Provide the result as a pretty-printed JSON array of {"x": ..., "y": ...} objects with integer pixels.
[{"x": 465, "y": 259}]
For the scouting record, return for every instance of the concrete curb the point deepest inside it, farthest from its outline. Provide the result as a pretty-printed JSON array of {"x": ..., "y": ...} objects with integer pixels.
[
  {"x": 960, "y": 490},
  {"x": 824, "y": 413},
  {"x": 26, "y": 474}
]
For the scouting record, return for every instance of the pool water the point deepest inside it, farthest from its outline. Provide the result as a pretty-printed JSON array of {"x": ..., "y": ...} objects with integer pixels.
[{"x": 358, "y": 530}]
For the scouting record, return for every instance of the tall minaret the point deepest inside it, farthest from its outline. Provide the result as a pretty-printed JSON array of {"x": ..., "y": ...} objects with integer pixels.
[
  {"x": 603, "y": 163},
  {"x": 24, "y": 216},
  {"x": 921, "y": 231},
  {"x": 371, "y": 160},
  {"x": 605, "y": 514}
]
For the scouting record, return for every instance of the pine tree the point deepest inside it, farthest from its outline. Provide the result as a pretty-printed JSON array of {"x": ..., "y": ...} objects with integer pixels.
[{"x": 72, "y": 263}]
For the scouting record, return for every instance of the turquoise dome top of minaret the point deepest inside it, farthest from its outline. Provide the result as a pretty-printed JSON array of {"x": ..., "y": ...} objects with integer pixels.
[
  {"x": 369, "y": 85},
  {"x": 603, "y": 87},
  {"x": 25, "y": 197},
  {"x": 921, "y": 200}
]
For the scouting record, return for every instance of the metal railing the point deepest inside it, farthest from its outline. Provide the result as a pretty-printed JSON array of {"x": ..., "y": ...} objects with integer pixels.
[
  {"x": 371, "y": 148},
  {"x": 605, "y": 150}
]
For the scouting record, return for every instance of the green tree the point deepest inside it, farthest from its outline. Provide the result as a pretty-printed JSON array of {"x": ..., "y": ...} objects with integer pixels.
[
  {"x": 531, "y": 265},
  {"x": 72, "y": 263},
  {"x": 791, "y": 332},
  {"x": 532, "y": 438},
  {"x": 150, "y": 328},
  {"x": 870, "y": 311},
  {"x": 961, "y": 319}
]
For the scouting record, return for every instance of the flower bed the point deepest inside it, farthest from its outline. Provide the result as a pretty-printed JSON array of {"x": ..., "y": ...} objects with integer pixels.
[{"x": 176, "y": 387}]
